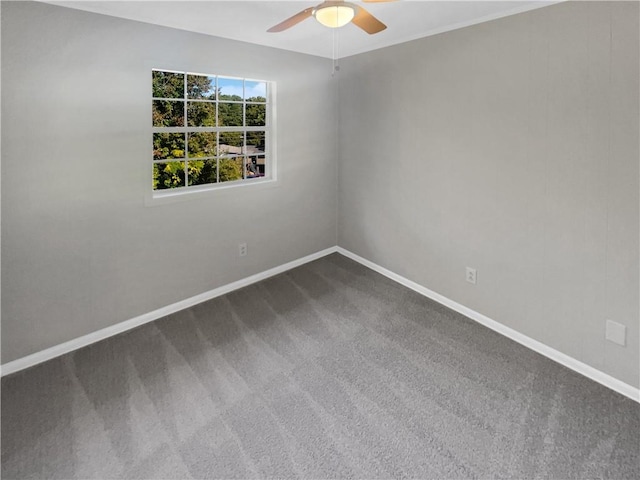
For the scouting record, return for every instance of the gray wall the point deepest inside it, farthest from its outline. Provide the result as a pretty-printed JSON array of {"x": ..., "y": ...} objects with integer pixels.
[
  {"x": 511, "y": 147},
  {"x": 80, "y": 250}
]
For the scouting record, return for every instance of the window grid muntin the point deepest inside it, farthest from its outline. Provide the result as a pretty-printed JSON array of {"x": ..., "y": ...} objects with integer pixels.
[{"x": 185, "y": 129}]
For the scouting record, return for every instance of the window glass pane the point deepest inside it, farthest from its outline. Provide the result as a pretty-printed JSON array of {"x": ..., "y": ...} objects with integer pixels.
[
  {"x": 168, "y": 145},
  {"x": 201, "y": 86},
  {"x": 201, "y": 114},
  {"x": 201, "y": 144},
  {"x": 167, "y": 113},
  {"x": 256, "y": 114},
  {"x": 202, "y": 172},
  {"x": 230, "y": 168},
  {"x": 168, "y": 84},
  {"x": 203, "y": 108},
  {"x": 255, "y": 91},
  {"x": 230, "y": 89},
  {"x": 231, "y": 143},
  {"x": 230, "y": 114},
  {"x": 168, "y": 175},
  {"x": 255, "y": 143},
  {"x": 255, "y": 167}
]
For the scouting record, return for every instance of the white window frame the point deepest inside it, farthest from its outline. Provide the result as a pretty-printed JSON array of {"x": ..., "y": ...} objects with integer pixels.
[{"x": 198, "y": 190}]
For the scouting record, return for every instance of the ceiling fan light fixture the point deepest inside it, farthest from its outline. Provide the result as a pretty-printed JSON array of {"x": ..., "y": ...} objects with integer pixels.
[{"x": 334, "y": 16}]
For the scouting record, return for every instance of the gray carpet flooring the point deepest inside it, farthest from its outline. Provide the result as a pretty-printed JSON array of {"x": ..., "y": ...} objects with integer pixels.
[{"x": 327, "y": 371}]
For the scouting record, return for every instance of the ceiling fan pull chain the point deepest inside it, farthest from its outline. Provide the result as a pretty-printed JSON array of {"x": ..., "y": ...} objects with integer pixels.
[{"x": 335, "y": 66}]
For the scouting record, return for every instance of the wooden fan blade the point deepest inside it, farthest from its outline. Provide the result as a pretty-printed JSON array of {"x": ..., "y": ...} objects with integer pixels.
[
  {"x": 368, "y": 22},
  {"x": 291, "y": 21}
]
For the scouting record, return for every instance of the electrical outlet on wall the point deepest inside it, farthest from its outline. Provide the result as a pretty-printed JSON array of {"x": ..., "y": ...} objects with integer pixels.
[
  {"x": 242, "y": 249},
  {"x": 471, "y": 275},
  {"x": 616, "y": 332}
]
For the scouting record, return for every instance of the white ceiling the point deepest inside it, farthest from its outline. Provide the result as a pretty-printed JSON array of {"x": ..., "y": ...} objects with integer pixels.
[{"x": 249, "y": 20}]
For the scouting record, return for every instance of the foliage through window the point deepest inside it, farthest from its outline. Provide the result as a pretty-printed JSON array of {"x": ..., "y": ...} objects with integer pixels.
[{"x": 208, "y": 129}]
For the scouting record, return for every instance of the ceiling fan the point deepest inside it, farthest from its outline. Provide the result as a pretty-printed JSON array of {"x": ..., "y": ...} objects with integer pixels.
[{"x": 334, "y": 14}]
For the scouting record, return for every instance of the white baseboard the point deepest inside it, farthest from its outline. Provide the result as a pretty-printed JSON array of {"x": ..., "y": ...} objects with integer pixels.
[
  {"x": 76, "y": 343},
  {"x": 559, "y": 357}
]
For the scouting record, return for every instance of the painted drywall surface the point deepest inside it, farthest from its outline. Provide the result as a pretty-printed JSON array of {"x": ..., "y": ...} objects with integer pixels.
[
  {"x": 80, "y": 250},
  {"x": 510, "y": 147}
]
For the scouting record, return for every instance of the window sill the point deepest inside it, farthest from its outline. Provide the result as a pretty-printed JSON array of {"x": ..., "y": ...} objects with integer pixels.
[{"x": 163, "y": 197}]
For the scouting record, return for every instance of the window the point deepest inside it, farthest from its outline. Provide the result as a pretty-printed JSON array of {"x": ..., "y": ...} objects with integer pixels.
[{"x": 208, "y": 130}]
